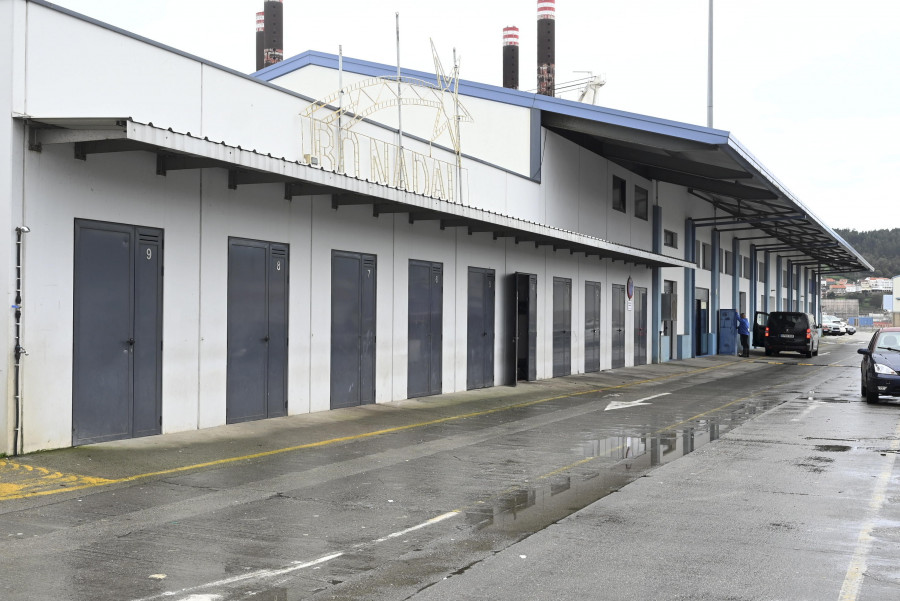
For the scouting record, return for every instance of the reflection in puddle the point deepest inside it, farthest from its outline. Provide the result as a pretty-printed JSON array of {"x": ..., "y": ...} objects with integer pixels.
[{"x": 602, "y": 466}]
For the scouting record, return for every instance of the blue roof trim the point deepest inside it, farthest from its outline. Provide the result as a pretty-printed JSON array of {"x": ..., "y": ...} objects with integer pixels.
[{"x": 696, "y": 133}]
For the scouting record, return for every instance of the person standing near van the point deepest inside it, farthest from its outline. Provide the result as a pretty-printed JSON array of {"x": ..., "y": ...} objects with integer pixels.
[{"x": 744, "y": 331}]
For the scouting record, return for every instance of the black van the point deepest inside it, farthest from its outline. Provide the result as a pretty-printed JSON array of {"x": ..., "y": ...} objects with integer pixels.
[{"x": 787, "y": 331}]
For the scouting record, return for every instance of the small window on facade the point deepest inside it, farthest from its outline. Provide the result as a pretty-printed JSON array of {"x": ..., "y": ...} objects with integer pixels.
[
  {"x": 784, "y": 279},
  {"x": 746, "y": 270},
  {"x": 670, "y": 239},
  {"x": 618, "y": 194},
  {"x": 641, "y": 197},
  {"x": 729, "y": 263},
  {"x": 707, "y": 252},
  {"x": 761, "y": 273}
]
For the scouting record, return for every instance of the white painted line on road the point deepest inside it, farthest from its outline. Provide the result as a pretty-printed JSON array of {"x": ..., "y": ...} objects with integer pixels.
[
  {"x": 808, "y": 410},
  {"x": 255, "y": 575},
  {"x": 434, "y": 520},
  {"x": 620, "y": 404},
  {"x": 295, "y": 566},
  {"x": 857, "y": 569}
]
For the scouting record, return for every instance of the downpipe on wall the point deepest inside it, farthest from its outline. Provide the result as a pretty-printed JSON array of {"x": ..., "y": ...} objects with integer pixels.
[{"x": 18, "y": 351}]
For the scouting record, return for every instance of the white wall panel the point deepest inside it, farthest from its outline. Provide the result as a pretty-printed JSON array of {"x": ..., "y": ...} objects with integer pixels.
[
  {"x": 121, "y": 188},
  {"x": 90, "y": 71}
]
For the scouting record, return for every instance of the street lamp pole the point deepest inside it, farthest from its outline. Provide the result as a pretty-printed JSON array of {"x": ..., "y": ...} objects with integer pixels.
[{"x": 709, "y": 71}]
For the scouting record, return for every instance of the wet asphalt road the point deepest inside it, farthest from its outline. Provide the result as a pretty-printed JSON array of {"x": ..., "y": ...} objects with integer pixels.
[{"x": 448, "y": 497}]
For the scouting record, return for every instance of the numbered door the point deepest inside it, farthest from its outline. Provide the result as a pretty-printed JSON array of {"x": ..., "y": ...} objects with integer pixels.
[
  {"x": 353, "y": 285},
  {"x": 426, "y": 309},
  {"x": 480, "y": 329},
  {"x": 640, "y": 326},
  {"x": 562, "y": 327},
  {"x": 618, "y": 326},
  {"x": 524, "y": 327},
  {"x": 591, "y": 327},
  {"x": 256, "y": 380},
  {"x": 117, "y": 347}
]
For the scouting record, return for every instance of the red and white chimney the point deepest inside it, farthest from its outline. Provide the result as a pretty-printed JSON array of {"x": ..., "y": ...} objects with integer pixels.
[
  {"x": 546, "y": 43},
  {"x": 511, "y": 57}
]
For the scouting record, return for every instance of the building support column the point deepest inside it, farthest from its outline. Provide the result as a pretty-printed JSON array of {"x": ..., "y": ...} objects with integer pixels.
[
  {"x": 779, "y": 283},
  {"x": 736, "y": 274},
  {"x": 656, "y": 285},
  {"x": 715, "y": 296},
  {"x": 754, "y": 284},
  {"x": 790, "y": 286},
  {"x": 767, "y": 282},
  {"x": 690, "y": 237}
]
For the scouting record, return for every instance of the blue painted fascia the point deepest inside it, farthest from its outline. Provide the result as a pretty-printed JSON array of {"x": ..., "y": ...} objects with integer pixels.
[{"x": 508, "y": 96}]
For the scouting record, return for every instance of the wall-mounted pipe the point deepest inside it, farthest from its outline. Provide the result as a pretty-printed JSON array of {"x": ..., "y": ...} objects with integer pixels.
[{"x": 18, "y": 351}]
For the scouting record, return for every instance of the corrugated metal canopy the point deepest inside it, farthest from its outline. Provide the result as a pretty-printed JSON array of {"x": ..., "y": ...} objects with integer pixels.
[
  {"x": 711, "y": 163},
  {"x": 718, "y": 170}
]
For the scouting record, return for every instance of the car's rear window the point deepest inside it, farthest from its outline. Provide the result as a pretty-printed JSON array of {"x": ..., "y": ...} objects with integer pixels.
[{"x": 788, "y": 322}]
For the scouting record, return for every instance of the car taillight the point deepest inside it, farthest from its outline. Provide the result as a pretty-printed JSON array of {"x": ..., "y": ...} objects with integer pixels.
[
  {"x": 767, "y": 331},
  {"x": 808, "y": 333}
]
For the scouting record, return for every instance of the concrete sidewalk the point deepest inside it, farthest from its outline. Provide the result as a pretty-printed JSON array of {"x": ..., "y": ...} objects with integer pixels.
[
  {"x": 124, "y": 461},
  {"x": 802, "y": 502}
]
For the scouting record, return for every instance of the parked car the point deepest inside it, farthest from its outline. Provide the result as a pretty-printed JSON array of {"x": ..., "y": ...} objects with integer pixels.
[
  {"x": 791, "y": 331},
  {"x": 880, "y": 365},
  {"x": 832, "y": 326},
  {"x": 850, "y": 329}
]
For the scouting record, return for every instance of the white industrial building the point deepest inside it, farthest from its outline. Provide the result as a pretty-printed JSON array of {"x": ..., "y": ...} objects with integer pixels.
[{"x": 188, "y": 246}]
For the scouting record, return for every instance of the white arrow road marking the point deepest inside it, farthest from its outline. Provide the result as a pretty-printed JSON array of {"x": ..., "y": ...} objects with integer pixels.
[{"x": 620, "y": 405}]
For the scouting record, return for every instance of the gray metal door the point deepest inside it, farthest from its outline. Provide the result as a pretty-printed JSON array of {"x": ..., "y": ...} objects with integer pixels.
[
  {"x": 256, "y": 379},
  {"x": 353, "y": 285},
  {"x": 562, "y": 327},
  {"x": 117, "y": 319},
  {"x": 426, "y": 306},
  {"x": 618, "y": 325},
  {"x": 640, "y": 326},
  {"x": 524, "y": 326},
  {"x": 480, "y": 329},
  {"x": 591, "y": 326}
]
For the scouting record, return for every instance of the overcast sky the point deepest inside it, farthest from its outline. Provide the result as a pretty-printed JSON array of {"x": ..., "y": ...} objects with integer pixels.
[{"x": 810, "y": 87}]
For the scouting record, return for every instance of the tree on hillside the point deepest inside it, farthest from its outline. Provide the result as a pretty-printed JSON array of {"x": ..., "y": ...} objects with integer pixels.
[{"x": 881, "y": 248}]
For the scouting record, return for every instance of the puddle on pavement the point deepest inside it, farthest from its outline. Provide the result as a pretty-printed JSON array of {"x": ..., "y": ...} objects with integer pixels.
[
  {"x": 832, "y": 448},
  {"x": 527, "y": 509}
]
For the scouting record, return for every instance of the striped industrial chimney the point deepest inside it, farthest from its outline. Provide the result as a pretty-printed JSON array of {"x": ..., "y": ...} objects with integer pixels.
[
  {"x": 511, "y": 57},
  {"x": 272, "y": 35},
  {"x": 546, "y": 47},
  {"x": 260, "y": 42}
]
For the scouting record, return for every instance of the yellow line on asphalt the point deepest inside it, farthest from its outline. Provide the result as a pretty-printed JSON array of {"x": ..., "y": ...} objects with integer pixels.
[
  {"x": 19, "y": 491},
  {"x": 857, "y": 568}
]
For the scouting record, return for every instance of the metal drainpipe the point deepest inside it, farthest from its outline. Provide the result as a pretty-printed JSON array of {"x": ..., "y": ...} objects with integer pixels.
[{"x": 18, "y": 351}]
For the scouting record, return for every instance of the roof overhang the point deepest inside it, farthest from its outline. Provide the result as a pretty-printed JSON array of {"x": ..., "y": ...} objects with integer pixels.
[
  {"x": 179, "y": 151},
  {"x": 714, "y": 167}
]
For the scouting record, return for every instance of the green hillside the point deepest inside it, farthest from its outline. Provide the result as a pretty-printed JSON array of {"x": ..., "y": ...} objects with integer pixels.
[{"x": 881, "y": 248}]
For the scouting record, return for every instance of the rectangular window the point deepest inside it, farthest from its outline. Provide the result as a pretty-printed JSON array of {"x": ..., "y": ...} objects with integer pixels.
[
  {"x": 729, "y": 263},
  {"x": 641, "y": 201},
  {"x": 707, "y": 252},
  {"x": 761, "y": 272},
  {"x": 670, "y": 239},
  {"x": 618, "y": 194},
  {"x": 746, "y": 271},
  {"x": 697, "y": 255},
  {"x": 784, "y": 280}
]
